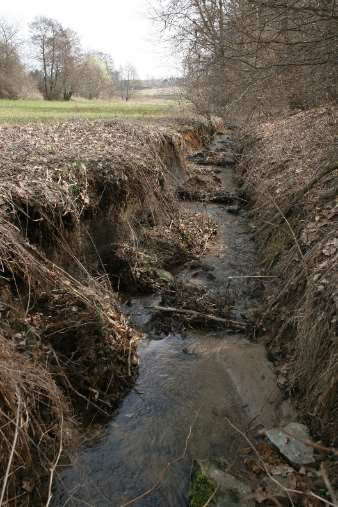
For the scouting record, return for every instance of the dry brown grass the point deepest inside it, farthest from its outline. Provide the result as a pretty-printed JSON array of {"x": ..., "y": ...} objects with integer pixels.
[
  {"x": 31, "y": 408},
  {"x": 290, "y": 168}
]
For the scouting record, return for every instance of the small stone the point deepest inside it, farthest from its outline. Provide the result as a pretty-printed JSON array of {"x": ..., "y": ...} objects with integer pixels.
[{"x": 290, "y": 442}]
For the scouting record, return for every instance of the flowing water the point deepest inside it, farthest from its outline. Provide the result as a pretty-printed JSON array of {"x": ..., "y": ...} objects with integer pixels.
[{"x": 187, "y": 388}]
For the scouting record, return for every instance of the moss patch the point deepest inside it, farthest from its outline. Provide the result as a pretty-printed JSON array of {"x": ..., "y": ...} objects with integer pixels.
[{"x": 201, "y": 490}]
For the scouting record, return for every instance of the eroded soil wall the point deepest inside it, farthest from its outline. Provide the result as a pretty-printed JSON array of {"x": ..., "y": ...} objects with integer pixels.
[
  {"x": 289, "y": 171},
  {"x": 77, "y": 200}
]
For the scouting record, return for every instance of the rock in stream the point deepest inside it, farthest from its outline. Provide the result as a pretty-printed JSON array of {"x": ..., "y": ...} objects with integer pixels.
[{"x": 291, "y": 442}]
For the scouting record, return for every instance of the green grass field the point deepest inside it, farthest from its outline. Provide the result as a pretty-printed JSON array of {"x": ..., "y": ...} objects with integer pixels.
[{"x": 18, "y": 111}]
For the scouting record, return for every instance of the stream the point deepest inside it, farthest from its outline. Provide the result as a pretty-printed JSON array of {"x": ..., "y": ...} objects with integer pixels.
[{"x": 187, "y": 385}]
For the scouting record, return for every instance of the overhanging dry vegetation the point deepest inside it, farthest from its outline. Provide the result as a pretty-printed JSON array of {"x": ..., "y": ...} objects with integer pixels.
[
  {"x": 290, "y": 169},
  {"x": 73, "y": 197}
]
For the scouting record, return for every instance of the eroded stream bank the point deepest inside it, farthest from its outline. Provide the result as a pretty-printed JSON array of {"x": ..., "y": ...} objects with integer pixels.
[{"x": 192, "y": 376}]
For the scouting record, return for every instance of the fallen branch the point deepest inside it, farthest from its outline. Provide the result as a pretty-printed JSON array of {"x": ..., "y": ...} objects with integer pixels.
[
  {"x": 217, "y": 197},
  {"x": 206, "y": 316},
  {"x": 250, "y": 276}
]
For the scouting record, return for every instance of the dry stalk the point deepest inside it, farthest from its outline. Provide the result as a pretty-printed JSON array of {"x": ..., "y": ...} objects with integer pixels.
[
  {"x": 291, "y": 231},
  {"x": 328, "y": 484},
  {"x": 55, "y": 464},
  {"x": 15, "y": 438},
  {"x": 212, "y": 496}
]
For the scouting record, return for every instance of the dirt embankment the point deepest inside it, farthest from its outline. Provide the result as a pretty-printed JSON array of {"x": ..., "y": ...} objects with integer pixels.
[
  {"x": 82, "y": 208},
  {"x": 289, "y": 169}
]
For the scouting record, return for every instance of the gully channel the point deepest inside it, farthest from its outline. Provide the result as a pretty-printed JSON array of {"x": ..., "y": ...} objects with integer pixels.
[{"x": 189, "y": 384}]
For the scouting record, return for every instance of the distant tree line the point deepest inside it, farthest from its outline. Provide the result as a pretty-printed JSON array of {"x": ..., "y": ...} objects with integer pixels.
[
  {"x": 255, "y": 54},
  {"x": 62, "y": 69}
]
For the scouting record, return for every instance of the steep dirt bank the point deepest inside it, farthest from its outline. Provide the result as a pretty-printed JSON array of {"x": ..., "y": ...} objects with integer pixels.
[
  {"x": 79, "y": 202},
  {"x": 289, "y": 169}
]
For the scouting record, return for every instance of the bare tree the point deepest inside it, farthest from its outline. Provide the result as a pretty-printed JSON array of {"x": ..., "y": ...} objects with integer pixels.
[
  {"x": 70, "y": 57},
  {"x": 45, "y": 33},
  {"x": 58, "y": 54},
  {"x": 128, "y": 78}
]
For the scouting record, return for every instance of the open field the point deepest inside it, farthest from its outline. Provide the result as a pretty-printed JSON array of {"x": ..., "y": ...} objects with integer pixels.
[{"x": 18, "y": 111}]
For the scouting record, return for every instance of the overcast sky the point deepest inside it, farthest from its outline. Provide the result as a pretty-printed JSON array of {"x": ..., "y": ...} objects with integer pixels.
[{"x": 119, "y": 27}]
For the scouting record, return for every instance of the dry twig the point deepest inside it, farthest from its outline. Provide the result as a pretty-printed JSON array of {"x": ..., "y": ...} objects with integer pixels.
[
  {"x": 10, "y": 459},
  {"x": 55, "y": 464},
  {"x": 165, "y": 469},
  {"x": 288, "y": 491}
]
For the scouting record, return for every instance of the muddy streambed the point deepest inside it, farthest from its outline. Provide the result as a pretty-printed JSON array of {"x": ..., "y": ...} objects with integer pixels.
[{"x": 188, "y": 385}]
